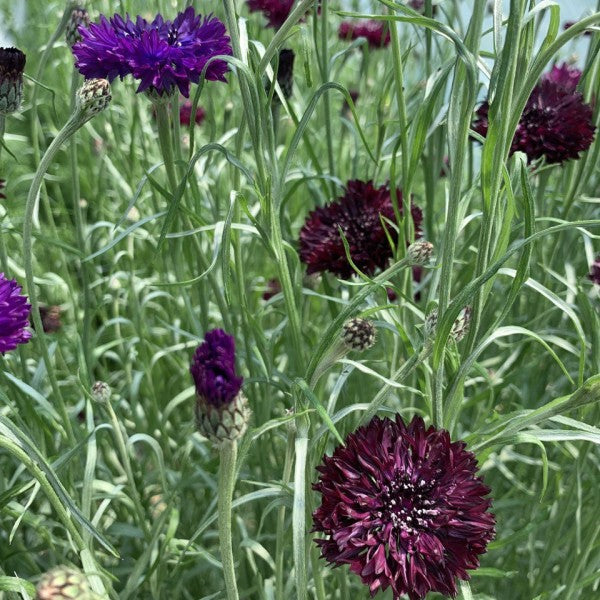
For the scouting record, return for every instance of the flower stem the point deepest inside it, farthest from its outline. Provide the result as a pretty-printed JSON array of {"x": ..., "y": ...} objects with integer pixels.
[
  {"x": 299, "y": 509},
  {"x": 72, "y": 125},
  {"x": 228, "y": 455}
]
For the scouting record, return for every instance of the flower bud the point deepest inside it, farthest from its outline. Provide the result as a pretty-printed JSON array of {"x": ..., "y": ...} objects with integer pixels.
[
  {"x": 460, "y": 327},
  {"x": 222, "y": 411},
  {"x": 93, "y": 97},
  {"x": 358, "y": 334},
  {"x": 101, "y": 392},
  {"x": 12, "y": 65},
  {"x": 222, "y": 423},
  {"x": 79, "y": 18},
  {"x": 63, "y": 583},
  {"x": 420, "y": 252}
]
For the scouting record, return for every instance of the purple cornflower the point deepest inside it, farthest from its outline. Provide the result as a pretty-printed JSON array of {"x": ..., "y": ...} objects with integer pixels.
[
  {"x": 358, "y": 213},
  {"x": 377, "y": 33},
  {"x": 163, "y": 55},
  {"x": 14, "y": 315},
  {"x": 556, "y": 123},
  {"x": 404, "y": 507},
  {"x": 213, "y": 369},
  {"x": 594, "y": 273}
]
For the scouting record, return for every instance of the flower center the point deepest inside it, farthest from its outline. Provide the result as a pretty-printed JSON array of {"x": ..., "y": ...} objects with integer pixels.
[{"x": 407, "y": 504}]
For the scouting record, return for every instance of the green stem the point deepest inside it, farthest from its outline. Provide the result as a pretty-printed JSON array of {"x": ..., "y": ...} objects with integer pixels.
[
  {"x": 228, "y": 454},
  {"x": 122, "y": 447},
  {"x": 79, "y": 228},
  {"x": 72, "y": 125},
  {"x": 280, "y": 531},
  {"x": 299, "y": 509}
]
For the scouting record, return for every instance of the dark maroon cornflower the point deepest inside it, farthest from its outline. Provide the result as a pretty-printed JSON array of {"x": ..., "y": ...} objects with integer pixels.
[
  {"x": 358, "y": 213},
  {"x": 14, "y": 315},
  {"x": 569, "y": 24},
  {"x": 564, "y": 76},
  {"x": 275, "y": 11},
  {"x": 163, "y": 55},
  {"x": 377, "y": 33},
  {"x": 556, "y": 123},
  {"x": 419, "y": 6},
  {"x": 404, "y": 507},
  {"x": 185, "y": 113},
  {"x": 273, "y": 288},
  {"x": 213, "y": 369},
  {"x": 50, "y": 316},
  {"x": 594, "y": 273}
]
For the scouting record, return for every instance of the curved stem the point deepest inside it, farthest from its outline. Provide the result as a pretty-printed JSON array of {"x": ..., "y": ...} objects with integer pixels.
[
  {"x": 228, "y": 455},
  {"x": 72, "y": 125}
]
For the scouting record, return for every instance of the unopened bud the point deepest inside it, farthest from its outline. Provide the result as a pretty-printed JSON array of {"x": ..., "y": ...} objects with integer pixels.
[
  {"x": 63, "y": 583},
  {"x": 460, "y": 327},
  {"x": 101, "y": 392},
  {"x": 420, "y": 252},
  {"x": 358, "y": 334},
  {"x": 225, "y": 422},
  {"x": 12, "y": 65},
  {"x": 93, "y": 97},
  {"x": 79, "y": 18}
]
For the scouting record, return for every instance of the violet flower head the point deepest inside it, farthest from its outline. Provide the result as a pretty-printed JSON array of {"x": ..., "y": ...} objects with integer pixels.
[
  {"x": 594, "y": 273},
  {"x": 14, "y": 315},
  {"x": 358, "y": 213},
  {"x": 213, "y": 369},
  {"x": 404, "y": 507},
  {"x": 377, "y": 33},
  {"x": 556, "y": 122},
  {"x": 162, "y": 55}
]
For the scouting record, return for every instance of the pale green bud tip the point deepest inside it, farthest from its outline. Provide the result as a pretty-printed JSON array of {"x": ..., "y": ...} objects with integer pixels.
[
  {"x": 420, "y": 252},
  {"x": 227, "y": 422},
  {"x": 63, "y": 583},
  {"x": 358, "y": 334},
  {"x": 101, "y": 392},
  {"x": 93, "y": 97}
]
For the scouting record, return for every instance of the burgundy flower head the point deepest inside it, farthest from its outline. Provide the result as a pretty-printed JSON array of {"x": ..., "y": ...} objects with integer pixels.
[
  {"x": 377, "y": 33},
  {"x": 14, "y": 315},
  {"x": 213, "y": 369},
  {"x": 594, "y": 273},
  {"x": 564, "y": 76},
  {"x": 185, "y": 114},
  {"x": 556, "y": 123},
  {"x": 275, "y": 11},
  {"x": 358, "y": 214},
  {"x": 163, "y": 55},
  {"x": 404, "y": 507}
]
